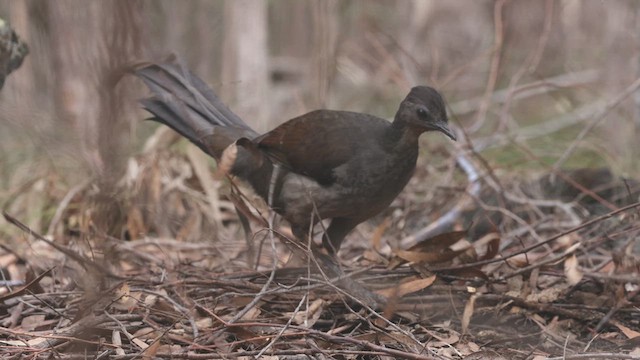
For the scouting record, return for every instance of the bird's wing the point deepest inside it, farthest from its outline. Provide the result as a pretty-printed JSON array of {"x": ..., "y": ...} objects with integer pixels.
[{"x": 315, "y": 144}]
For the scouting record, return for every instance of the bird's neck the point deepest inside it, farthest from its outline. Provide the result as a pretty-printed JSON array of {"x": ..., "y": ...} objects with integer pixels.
[
  {"x": 401, "y": 137},
  {"x": 400, "y": 144}
]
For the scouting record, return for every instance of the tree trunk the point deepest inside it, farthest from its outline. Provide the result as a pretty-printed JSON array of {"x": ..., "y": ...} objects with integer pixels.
[{"x": 245, "y": 67}]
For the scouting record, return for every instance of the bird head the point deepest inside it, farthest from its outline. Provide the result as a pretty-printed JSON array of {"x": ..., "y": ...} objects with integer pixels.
[{"x": 424, "y": 110}]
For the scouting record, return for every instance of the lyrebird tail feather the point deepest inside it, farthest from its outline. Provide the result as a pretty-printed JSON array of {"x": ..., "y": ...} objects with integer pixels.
[{"x": 186, "y": 104}]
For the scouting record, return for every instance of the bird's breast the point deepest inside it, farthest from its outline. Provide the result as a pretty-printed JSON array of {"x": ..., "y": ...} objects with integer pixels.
[{"x": 359, "y": 189}]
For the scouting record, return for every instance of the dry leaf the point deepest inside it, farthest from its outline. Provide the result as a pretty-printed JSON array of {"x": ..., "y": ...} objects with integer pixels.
[
  {"x": 117, "y": 341},
  {"x": 30, "y": 323},
  {"x": 629, "y": 333},
  {"x": 432, "y": 250},
  {"x": 123, "y": 290},
  {"x": 567, "y": 240},
  {"x": 204, "y": 323},
  {"x": 124, "y": 299},
  {"x": 416, "y": 256},
  {"x": 493, "y": 246},
  {"x": 144, "y": 333},
  {"x": 150, "y": 300},
  {"x": 428, "y": 257},
  {"x": 520, "y": 260},
  {"x": 571, "y": 270},
  {"x": 140, "y": 343},
  {"x": 468, "y": 313},
  {"x": 339, "y": 329},
  {"x": 547, "y": 296},
  {"x": 376, "y": 238},
  {"x": 13, "y": 342},
  {"x": 412, "y": 285},
  {"x": 252, "y": 314},
  {"x": 475, "y": 348},
  {"x": 115, "y": 338},
  {"x": 438, "y": 242},
  {"x": 442, "y": 341},
  {"x": 152, "y": 350},
  {"x": 309, "y": 316},
  {"x": 32, "y": 342}
]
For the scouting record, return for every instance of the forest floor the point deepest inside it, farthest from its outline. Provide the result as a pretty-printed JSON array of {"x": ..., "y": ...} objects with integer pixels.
[{"x": 524, "y": 269}]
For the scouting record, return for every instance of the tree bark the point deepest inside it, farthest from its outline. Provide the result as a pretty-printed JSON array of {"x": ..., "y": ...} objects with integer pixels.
[{"x": 245, "y": 63}]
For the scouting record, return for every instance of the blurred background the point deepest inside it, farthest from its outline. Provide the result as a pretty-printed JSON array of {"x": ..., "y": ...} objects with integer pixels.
[{"x": 534, "y": 85}]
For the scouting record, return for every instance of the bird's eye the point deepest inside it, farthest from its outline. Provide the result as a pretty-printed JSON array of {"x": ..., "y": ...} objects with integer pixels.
[{"x": 422, "y": 112}]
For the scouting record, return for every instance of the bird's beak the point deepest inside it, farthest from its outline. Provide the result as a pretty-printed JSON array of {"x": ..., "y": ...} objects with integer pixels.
[{"x": 443, "y": 127}]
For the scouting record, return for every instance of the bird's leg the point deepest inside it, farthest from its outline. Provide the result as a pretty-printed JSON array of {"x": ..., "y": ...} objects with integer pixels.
[
  {"x": 336, "y": 232},
  {"x": 301, "y": 232},
  {"x": 328, "y": 265}
]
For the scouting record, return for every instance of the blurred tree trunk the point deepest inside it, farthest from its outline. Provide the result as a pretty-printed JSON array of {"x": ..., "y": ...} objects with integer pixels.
[
  {"x": 245, "y": 63},
  {"x": 325, "y": 30},
  {"x": 207, "y": 50},
  {"x": 636, "y": 114},
  {"x": 194, "y": 35},
  {"x": 417, "y": 12},
  {"x": 289, "y": 19},
  {"x": 92, "y": 44},
  {"x": 430, "y": 42}
]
